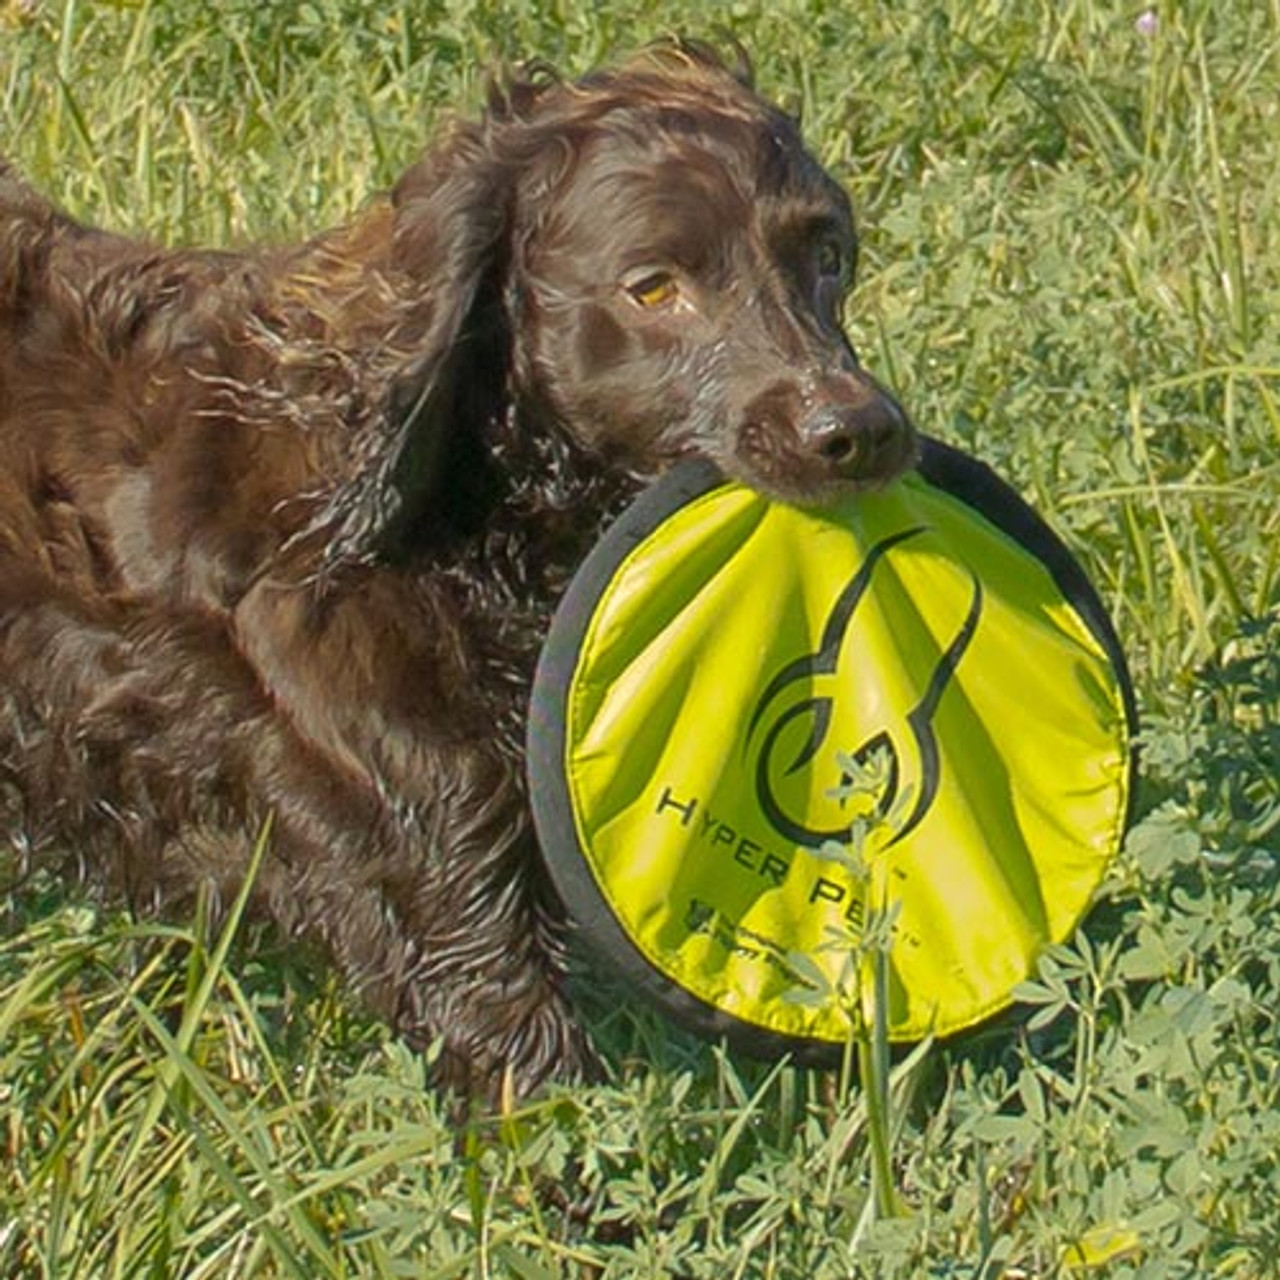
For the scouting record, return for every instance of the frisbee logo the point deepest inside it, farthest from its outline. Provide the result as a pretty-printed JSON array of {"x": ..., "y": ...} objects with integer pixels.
[{"x": 795, "y": 735}]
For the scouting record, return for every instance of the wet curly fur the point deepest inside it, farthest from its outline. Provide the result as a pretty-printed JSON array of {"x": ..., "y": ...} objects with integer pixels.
[{"x": 280, "y": 530}]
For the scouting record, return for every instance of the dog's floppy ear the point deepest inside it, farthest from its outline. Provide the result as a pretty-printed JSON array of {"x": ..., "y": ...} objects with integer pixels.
[{"x": 424, "y": 460}]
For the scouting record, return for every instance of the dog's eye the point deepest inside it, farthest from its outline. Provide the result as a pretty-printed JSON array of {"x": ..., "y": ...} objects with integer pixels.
[
  {"x": 653, "y": 289},
  {"x": 829, "y": 258}
]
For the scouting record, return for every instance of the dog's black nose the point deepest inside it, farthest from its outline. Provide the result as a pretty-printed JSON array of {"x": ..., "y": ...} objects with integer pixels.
[
  {"x": 856, "y": 441},
  {"x": 832, "y": 434}
]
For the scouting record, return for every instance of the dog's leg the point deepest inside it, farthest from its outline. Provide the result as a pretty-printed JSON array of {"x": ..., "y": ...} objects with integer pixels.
[
  {"x": 386, "y": 675},
  {"x": 490, "y": 976}
]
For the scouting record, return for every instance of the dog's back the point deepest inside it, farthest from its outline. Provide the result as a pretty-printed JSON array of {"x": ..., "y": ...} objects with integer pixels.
[{"x": 151, "y": 429}]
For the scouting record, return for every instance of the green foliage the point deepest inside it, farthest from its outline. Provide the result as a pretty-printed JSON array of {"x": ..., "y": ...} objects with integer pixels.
[{"x": 1071, "y": 226}]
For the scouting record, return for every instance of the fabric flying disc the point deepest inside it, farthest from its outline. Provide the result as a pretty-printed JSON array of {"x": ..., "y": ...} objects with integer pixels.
[{"x": 756, "y": 729}]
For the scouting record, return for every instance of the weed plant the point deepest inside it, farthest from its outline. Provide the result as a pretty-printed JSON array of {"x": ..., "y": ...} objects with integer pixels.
[{"x": 1071, "y": 267}]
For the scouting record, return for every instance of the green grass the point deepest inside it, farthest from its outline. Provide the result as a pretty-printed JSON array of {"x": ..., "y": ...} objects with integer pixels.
[{"x": 1072, "y": 268}]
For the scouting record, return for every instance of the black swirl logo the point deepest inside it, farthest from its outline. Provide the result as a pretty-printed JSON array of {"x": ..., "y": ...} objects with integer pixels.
[{"x": 792, "y": 733}]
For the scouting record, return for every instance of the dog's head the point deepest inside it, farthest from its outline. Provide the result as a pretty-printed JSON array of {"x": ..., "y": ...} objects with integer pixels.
[
  {"x": 682, "y": 292},
  {"x": 650, "y": 263}
]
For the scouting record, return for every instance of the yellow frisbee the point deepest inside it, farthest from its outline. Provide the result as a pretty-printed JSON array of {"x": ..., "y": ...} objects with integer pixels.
[{"x": 763, "y": 737}]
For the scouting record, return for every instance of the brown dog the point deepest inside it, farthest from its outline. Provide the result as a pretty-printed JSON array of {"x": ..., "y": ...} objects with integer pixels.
[{"x": 280, "y": 531}]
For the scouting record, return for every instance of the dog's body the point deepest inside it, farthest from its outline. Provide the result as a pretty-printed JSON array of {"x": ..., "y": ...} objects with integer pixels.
[{"x": 280, "y": 531}]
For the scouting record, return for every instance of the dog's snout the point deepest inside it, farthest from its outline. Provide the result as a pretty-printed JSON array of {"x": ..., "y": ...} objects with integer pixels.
[
  {"x": 808, "y": 442},
  {"x": 855, "y": 440}
]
